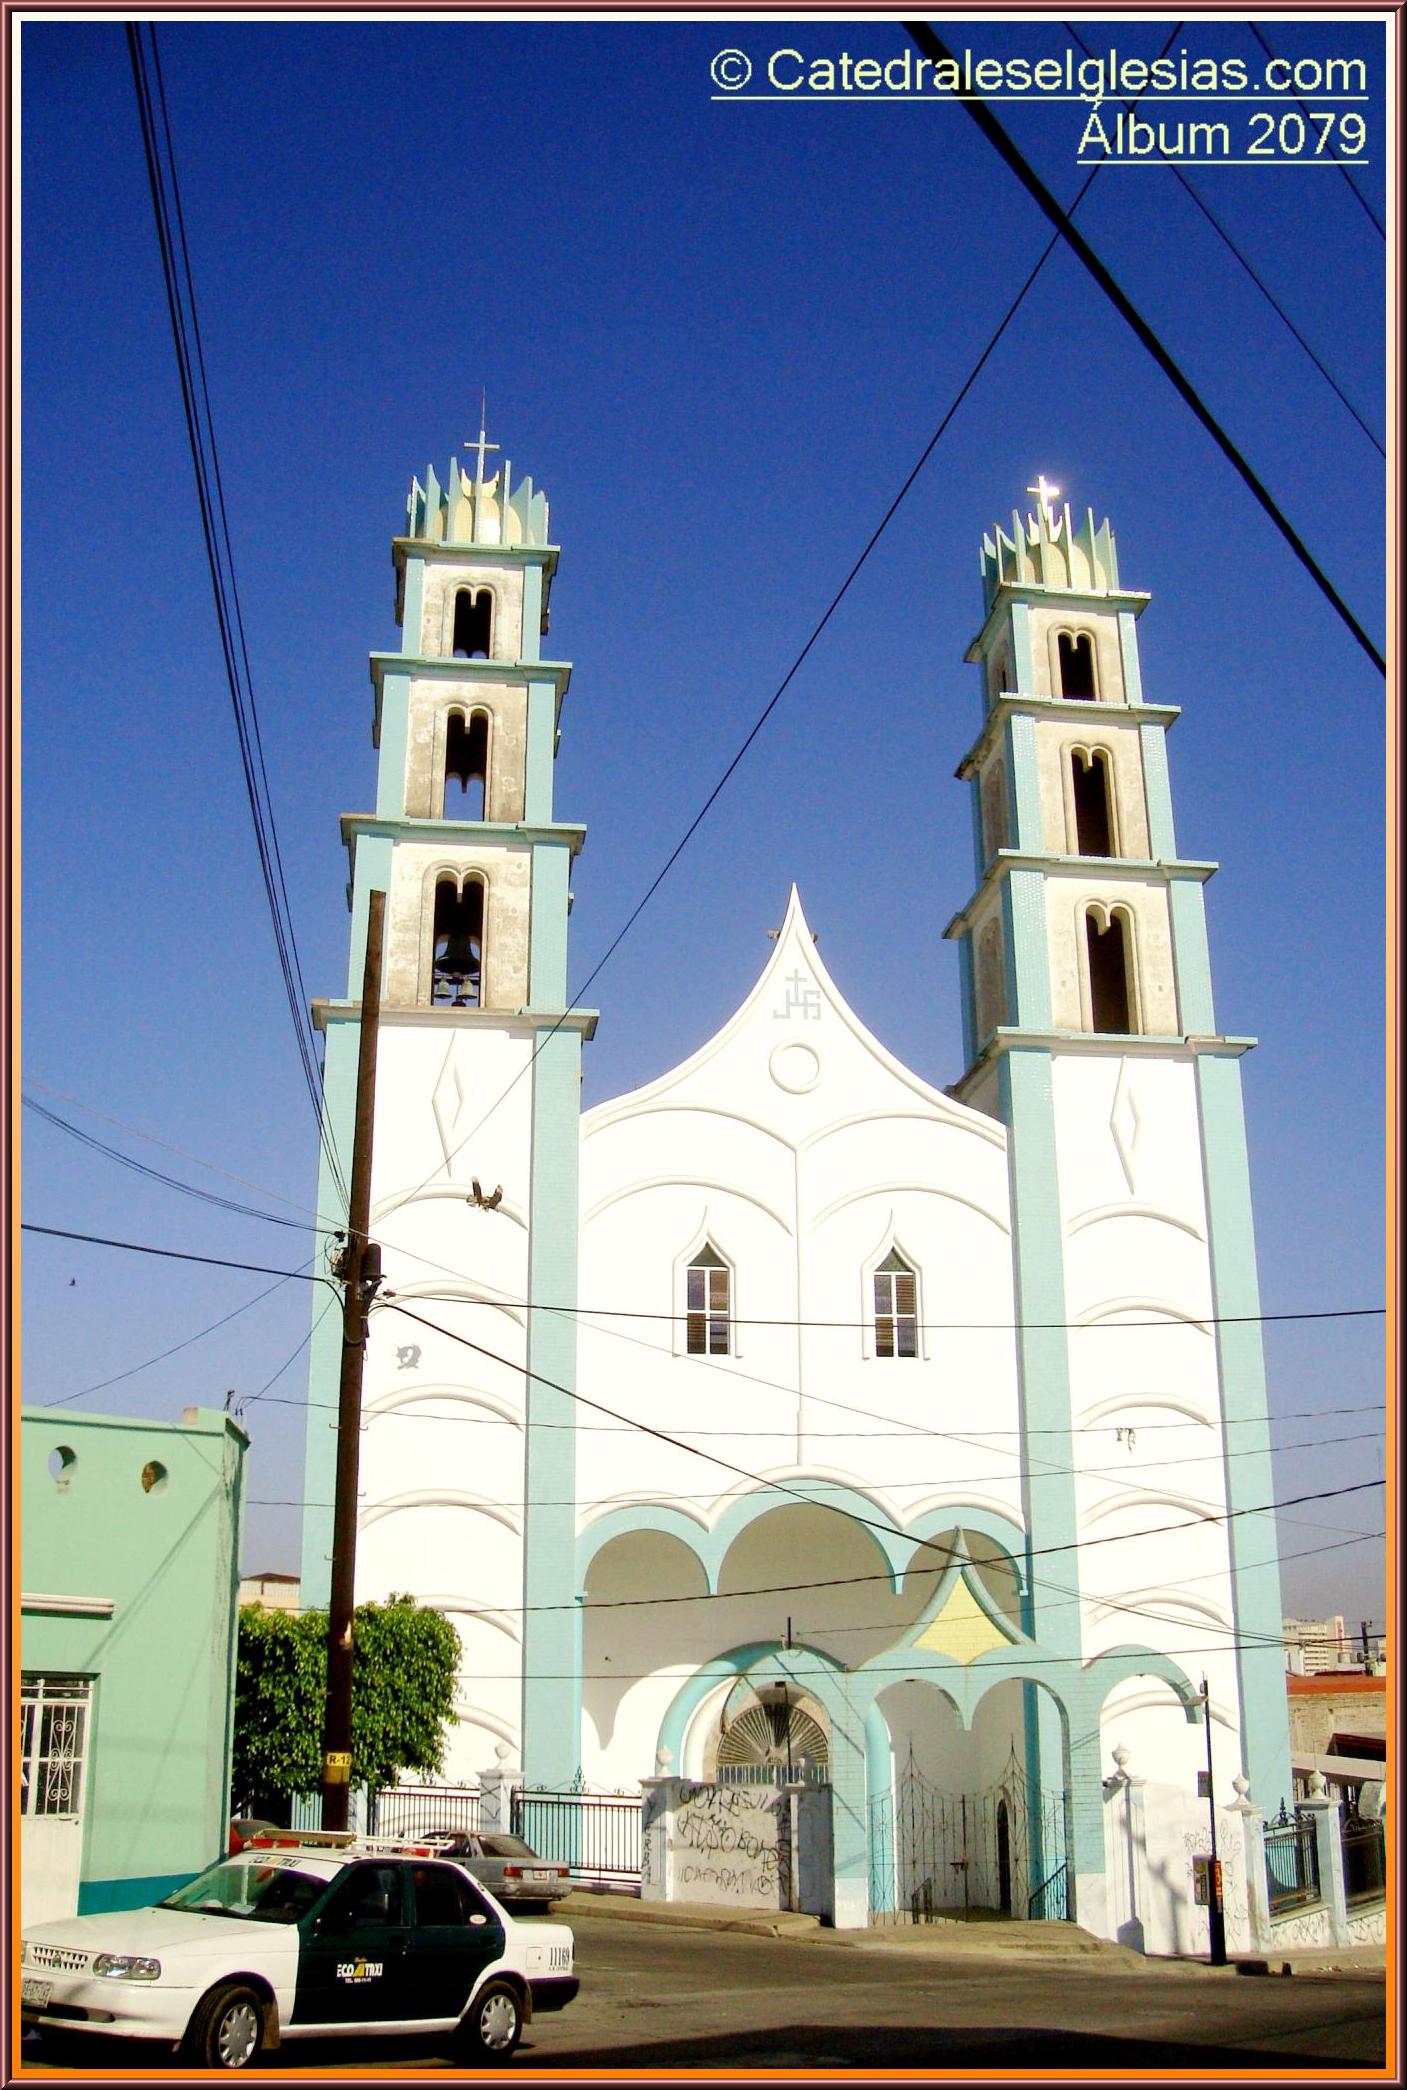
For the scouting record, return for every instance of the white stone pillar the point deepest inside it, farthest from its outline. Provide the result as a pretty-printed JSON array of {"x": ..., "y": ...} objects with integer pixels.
[
  {"x": 1244, "y": 1810},
  {"x": 1325, "y": 1814},
  {"x": 496, "y": 1792}
]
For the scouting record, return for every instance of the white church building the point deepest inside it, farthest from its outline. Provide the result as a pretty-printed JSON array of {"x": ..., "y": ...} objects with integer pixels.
[{"x": 791, "y": 1411}]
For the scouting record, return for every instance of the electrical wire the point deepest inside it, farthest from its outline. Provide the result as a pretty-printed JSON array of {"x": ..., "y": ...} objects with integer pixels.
[
  {"x": 156, "y": 1175},
  {"x": 889, "y": 1530},
  {"x": 575, "y": 998},
  {"x": 132, "y": 1371},
  {"x": 993, "y": 130},
  {"x": 1359, "y": 198},
  {"x": 1229, "y": 243},
  {"x": 196, "y": 1160},
  {"x": 200, "y": 431},
  {"x": 178, "y": 1255}
]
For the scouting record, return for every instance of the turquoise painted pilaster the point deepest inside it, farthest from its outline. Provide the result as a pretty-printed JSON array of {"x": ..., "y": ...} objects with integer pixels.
[
  {"x": 532, "y": 615},
  {"x": 1157, "y": 793},
  {"x": 969, "y": 999},
  {"x": 541, "y": 753},
  {"x": 339, "y": 1102},
  {"x": 413, "y": 605},
  {"x": 1192, "y": 965},
  {"x": 1025, "y": 784},
  {"x": 879, "y": 1809},
  {"x": 1049, "y": 1489},
  {"x": 1128, "y": 655},
  {"x": 372, "y": 868},
  {"x": 979, "y": 840},
  {"x": 551, "y": 1726},
  {"x": 1248, "y": 1473},
  {"x": 1023, "y": 659},
  {"x": 1028, "y": 946},
  {"x": 395, "y": 731},
  {"x": 547, "y": 953}
]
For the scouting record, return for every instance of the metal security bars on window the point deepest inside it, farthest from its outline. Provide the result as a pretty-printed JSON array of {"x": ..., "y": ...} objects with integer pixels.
[{"x": 53, "y": 1735}]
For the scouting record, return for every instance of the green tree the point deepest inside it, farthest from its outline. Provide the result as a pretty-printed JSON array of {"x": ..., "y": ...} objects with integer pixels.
[{"x": 403, "y": 1669}]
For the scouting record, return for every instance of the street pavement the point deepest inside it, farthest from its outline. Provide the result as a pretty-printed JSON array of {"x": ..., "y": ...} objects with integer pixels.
[{"x": 693, "y": 1990}]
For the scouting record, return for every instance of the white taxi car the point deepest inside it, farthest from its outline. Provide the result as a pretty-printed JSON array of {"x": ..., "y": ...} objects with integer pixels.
[{"x": 301, "y": 1935}]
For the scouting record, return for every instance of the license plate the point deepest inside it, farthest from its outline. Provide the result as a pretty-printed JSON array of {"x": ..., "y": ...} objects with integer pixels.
[
  {"x": 538, "y": 1878},
  {"x": 36, "y": 1992}
]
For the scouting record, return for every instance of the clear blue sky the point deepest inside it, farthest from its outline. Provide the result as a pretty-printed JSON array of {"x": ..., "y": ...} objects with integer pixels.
[{"x": 719, "y": 335}]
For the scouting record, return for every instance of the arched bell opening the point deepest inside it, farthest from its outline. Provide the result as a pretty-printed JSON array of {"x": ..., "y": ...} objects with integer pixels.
[
  {"x": 473, "y": 624},
  {"x": 457, "y": 950},
  {"x": 466, "y": 766}
]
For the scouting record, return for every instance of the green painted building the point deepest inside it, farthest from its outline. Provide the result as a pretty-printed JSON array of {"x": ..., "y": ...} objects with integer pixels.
[{"x": 129, "y": 1570}]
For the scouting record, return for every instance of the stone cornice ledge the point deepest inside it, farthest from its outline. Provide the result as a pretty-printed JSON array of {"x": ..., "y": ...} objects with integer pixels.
[
  {"x": 326, "y": 1010},
  {"x": 1028, "y": 704},
  {"x": 1098, "y": 1044}
]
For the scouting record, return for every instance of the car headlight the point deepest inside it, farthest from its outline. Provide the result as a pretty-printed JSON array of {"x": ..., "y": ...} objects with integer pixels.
[{"x": 121, "y": 1966}]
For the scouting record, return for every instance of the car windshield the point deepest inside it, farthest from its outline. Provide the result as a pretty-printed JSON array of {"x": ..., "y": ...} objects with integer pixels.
[
  {"x": 250, "y": 1888},
  {"x": 504, "y": 1847}
]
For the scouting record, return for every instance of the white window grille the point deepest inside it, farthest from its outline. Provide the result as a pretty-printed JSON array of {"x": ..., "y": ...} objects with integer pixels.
[{"x": 53, "y": 1743}]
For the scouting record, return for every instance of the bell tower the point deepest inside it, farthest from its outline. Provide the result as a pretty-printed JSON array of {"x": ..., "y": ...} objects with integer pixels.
[
  {"x": 466, "y": 1468},
  {"x": 1090, "y": 1033}
]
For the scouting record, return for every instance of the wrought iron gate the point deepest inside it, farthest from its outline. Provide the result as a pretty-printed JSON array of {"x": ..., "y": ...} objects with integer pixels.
[{"x": 942, "y": 1853}]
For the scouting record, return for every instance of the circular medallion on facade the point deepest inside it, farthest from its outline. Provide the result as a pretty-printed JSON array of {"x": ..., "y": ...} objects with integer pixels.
[{"x": 795, "y": 1068}]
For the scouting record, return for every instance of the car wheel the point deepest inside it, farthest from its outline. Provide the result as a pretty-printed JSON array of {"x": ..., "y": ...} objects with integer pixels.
[
  {"x": 226, "y": 2028},
  {"x": 493, "y": 2024}
]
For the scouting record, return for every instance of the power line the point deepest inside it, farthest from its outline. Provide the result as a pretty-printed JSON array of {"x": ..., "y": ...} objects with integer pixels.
[
  {"x": 1359, "y": 198},
  {"x": 890, "y": 1530},
  {"x": 196, "y": 1160},
  {"x": 179, "y": 1255},
  {"x": 1335, "y": 1313},
  {"x": 132, "y": 1371},
  {"x": 1225, "y": 237},
  {"x": 575, "y": 999},
  {"x": 155, "y": 1175},
  {"x": 935, "y": 49},
  {"x": 822, "y": 1488},
  {"x": 200, "y": 431},
  {"x": 291, "y": 1358}
]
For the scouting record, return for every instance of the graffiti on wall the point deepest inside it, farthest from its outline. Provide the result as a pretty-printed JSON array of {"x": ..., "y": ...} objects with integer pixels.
[{"x": 730, "y": 1845}]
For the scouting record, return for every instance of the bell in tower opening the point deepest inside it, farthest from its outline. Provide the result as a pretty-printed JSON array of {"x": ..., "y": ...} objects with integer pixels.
[{"x": 457, "y": 970}]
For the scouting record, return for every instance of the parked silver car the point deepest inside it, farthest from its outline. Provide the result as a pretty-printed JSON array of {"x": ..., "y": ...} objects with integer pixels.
[{"x": 507, "y": 1866}]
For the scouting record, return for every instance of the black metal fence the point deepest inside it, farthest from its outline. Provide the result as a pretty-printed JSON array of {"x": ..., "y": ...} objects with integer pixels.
[
  {"x": 1051, "y": 1901},
  {"x": 1364, "y": 1859},
  {"x": 1291, "y": 1865},
  {"x": 597, "y": 1834}
]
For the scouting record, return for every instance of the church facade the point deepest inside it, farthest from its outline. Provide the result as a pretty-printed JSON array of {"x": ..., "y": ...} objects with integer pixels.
[{"x": 790, "y": 1411}]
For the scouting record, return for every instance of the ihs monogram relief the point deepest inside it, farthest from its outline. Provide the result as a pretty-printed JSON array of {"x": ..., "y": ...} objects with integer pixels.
[{"x": 802, "y": 999}]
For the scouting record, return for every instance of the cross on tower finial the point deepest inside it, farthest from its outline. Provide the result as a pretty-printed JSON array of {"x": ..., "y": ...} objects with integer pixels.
[
  {"x": 1045, "y": 493},
  {"x": 483, "y": 443}
]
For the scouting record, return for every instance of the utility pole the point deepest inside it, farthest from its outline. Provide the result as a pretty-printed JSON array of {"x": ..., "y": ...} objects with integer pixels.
[
  {"x": 1216, "y": 1915},
  {"x": 361, "y": 1274}
]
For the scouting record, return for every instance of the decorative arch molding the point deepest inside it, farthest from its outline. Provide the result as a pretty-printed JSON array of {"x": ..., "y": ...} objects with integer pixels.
[
  {"x": 955, "y": 1118},
  {"x": 449, "y": 1291},
  {"x": 1098, "y": 1213},
  {"x": 477, "y": 1716},
  {"x": 846, "y": 1500},
  {"x": 1168, "y": 1595},
  {"x": 892, "y": 1189},
  {"x": 991, "y": 1521},
  {"x": 1148, "y": 1498},
  {"x": 1116, "y": 1404},
  {"x": 1117, "y": 1664},
  {"x": 441, "y": 1498},
  {"x": 467, "y": 1607},
  {"x": 763, "y": 1659},
  {"x": 687, "y": 1526},
  {"x": 398, "y": 1200},
  {"x": 605, "y": 1115},
  {"x": 1095, "y": 1316},
  {"x": 463, "y": 1396},
  {"x": 707, "y": 1183}
]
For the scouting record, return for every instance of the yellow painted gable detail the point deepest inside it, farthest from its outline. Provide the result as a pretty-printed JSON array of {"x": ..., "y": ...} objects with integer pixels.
[{"x": 962, "y": 1629}]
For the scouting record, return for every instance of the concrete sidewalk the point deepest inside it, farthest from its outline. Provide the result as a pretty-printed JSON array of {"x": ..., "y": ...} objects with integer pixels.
[{"x": 955, "y": 1939}]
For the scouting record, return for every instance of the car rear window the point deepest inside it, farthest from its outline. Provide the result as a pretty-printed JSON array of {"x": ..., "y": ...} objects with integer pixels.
[
  {"x": 443, "y": 1896},
  {"x": 504, "y": 1847}
]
